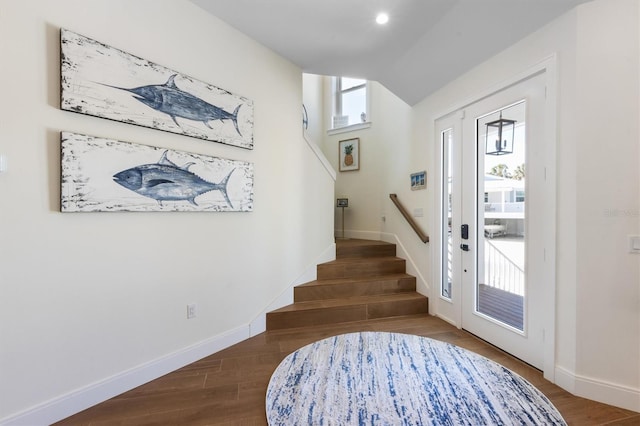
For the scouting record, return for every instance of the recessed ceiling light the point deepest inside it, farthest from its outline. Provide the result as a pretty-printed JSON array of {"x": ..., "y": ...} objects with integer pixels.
[{"x": 382, "y": 18}]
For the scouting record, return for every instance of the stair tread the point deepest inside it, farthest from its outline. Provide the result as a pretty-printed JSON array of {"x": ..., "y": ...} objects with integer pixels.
[
  {"x": 343, "y": 260},
  {"x": 353, "y": 280},
  {"x": 349, "y": 301},
  {"x": 350, "y": 242},
  {"x": 366, "y": 281}
]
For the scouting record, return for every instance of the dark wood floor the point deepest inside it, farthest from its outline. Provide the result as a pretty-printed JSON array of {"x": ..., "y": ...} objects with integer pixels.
[{"x": 229, "y": 387}]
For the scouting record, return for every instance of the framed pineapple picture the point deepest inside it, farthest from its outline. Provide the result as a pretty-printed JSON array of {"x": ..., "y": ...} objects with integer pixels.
[{"x": 349, "y": 154}]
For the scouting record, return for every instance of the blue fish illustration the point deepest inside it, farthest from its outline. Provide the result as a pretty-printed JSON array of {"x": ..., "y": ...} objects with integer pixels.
[
  {"x": 169, "y": 99},
  {"x": 166, "y": 181}
]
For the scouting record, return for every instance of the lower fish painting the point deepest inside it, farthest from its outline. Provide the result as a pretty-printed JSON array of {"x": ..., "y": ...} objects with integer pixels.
[{"x": 105, "y": 175}]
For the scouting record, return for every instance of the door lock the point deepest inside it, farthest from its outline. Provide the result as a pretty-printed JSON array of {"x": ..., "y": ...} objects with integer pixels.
[{"x": 464, "y": 247}]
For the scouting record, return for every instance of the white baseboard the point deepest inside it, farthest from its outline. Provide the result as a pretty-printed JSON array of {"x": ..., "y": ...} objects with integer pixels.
[
  {"x": 422, "y": 286},
  {"x": 363, "y": 235},
  {"x": 448, "y": 320},
  {"x": 598, "y": 390},
  {"x": 80, "y": 399},
  {"x": 73, "y": 402},
  {"x": 259, "y": 324}
]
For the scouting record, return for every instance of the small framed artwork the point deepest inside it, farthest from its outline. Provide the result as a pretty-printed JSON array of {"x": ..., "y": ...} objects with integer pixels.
[
  {"x": 418, "y": 180},
  {"x": 349, "y": 154}
]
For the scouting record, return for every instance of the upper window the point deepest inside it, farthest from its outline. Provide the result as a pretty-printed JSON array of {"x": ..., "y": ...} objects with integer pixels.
[{"x": 350, "y": 102}]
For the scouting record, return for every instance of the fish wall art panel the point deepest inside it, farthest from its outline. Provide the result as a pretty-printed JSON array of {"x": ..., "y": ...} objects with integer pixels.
[
  {"x": 104, "y": 175},
  {"x": 105, "y": 82}
]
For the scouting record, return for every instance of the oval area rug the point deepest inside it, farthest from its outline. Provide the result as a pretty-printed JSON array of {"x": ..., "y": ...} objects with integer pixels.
[{"x": 376, "y": 378}]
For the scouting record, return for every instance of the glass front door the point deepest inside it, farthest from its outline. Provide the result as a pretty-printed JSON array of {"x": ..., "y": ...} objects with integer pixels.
[
  {"x": 493, "y": 231},
  {"x": 501, "y": 194}
]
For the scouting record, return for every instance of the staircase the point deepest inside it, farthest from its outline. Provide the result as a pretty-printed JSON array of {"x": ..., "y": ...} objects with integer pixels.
[{"x": 366, "y": 281}]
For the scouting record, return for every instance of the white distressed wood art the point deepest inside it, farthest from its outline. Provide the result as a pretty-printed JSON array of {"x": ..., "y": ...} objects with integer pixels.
[
  {"x": 101, "y": 175},
  {"x": 106, "y": 82}
]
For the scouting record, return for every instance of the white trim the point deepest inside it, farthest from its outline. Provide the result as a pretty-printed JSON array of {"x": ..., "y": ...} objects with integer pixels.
[
  {"x": 349, "y": 128},
  {"x": 449, "y": 320},
  {"x": 422, "y": 286},
  {"x": 259, "y": 324},
  {"x": 550, "y": 242},
  {"x": 547, "y": 65},
  {"x": 364, "y": 235},
  {"x": 353, "y": 127},
  {"x": 440, "y": 304},
  {"x": 80, "y": 399},
  {"x": 320, "y": 155},
  {"x": 598, "y": 390}
]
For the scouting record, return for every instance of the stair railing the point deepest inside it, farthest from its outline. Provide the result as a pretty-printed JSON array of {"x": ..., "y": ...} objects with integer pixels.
[{"x": 423, "y": 237}]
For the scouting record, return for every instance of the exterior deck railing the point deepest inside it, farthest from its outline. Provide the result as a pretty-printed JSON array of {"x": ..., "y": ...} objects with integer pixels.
[{"x": 501, "y": 272}]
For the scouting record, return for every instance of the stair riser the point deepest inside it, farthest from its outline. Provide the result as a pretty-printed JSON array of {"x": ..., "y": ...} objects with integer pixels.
[
  {"x": 336, "y": 315},
  {"x": 366, "y": 282},
  {"x": 366, "y": 251},
  {"x": 371, "y": 268},
  {"x": 351, "y": 289},
  {"x": 282, "y": 320},
  {"x": 408, "y": 307}
]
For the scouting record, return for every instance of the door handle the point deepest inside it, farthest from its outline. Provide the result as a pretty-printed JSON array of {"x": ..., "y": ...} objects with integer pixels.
[
  {"x": 464, "y": 231},
  {"x": 464, "y": 247}
]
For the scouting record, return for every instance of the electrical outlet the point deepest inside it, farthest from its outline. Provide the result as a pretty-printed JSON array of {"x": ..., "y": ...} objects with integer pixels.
[{"x": 191, "y": 311}]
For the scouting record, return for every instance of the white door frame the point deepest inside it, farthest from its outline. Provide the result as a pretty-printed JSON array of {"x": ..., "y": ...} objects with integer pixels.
[{"x": 549, "y": 67}]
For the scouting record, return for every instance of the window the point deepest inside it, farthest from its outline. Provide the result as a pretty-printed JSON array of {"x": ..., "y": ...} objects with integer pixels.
[{"x": 350, "y": 102}]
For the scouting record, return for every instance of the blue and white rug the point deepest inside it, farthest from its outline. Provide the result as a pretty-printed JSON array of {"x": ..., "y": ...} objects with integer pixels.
[{"x": 373, "y": 378}]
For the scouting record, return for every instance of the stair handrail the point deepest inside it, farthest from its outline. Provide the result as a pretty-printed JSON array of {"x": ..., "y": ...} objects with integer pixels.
[{"x": 423, "y": 237}]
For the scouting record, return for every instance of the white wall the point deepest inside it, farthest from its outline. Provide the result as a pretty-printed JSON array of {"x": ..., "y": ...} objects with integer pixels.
[
  {"x": 92, "y": 304},
  {"x": 597, "y": 49},
  {"x": 312, "y": 97},
  {"x": 367, "y": 188},
  {"x": 607, "y": 202},
  {"x": 598, "y": 179}
]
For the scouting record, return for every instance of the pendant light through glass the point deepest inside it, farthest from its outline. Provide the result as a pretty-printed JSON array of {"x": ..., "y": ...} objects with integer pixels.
[{"x": 499, "y": 136}]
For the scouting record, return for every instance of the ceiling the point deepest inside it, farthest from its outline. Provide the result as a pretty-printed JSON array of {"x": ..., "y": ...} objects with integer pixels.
[{"x": 425, "y": 45}]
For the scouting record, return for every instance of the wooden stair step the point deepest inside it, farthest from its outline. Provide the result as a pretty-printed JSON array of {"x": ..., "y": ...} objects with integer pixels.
[
  {"x": 303, "y": 314},
  {"x": 351, "y": 287},
  {"x": 352, "y": 267},
  {"x": 367, "y": 281},
  {"x": 364, "y": 248}
]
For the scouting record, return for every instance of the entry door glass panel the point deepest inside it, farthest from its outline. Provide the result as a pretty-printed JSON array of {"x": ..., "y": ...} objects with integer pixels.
[
  {"x": 500, "y": 282},
  {"x": 447, "y": 246}
]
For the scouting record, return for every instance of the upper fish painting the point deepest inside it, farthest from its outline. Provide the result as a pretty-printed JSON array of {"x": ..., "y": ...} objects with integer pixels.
[{"x": 105, "y": 82}]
